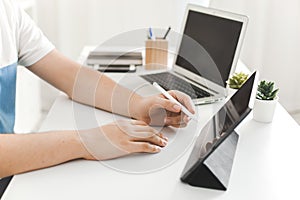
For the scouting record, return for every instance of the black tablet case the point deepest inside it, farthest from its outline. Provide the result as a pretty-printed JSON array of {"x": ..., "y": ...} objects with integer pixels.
[{"x": 214, "y": 172}]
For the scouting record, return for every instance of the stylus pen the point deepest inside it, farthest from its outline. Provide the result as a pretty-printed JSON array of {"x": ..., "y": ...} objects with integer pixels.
[{"x": 168, "y": 96}]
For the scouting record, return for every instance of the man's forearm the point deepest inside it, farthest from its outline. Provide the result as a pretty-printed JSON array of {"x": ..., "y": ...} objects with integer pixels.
[
  {"x": 85, "y": 85},
  {"x": 116, "y": 98},
  {"x": 25, "y": 152},
  {"x": 98, "y": 90}
]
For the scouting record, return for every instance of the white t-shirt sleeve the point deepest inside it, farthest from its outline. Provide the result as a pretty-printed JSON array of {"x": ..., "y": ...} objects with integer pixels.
[{"x": 31, "y": 42}]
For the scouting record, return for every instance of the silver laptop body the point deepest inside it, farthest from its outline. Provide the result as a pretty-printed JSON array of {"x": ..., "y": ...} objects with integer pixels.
[{"x": 209, "y": 50}]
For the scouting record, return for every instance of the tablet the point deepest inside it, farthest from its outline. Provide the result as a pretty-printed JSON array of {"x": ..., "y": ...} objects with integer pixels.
[{"x": 221, "y": 125}]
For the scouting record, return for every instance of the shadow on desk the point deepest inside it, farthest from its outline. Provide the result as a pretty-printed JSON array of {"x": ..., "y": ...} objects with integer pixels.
[{"x": 3, "y": 185}]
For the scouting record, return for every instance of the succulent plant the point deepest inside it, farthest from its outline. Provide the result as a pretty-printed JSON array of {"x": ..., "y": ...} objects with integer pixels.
[
  {"x": 266, "y": 91},
  {"x": 237, "y": 80}
]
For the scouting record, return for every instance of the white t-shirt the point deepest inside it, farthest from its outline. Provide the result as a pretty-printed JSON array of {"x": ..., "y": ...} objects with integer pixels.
[{"x": 21, "y": 42}]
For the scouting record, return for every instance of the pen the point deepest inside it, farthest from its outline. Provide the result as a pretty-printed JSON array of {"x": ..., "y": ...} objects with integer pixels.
[
  {"x": 152, "y": 37},
  {"x": 166, "y": 34},
  {"x": 168, "y": 96}
]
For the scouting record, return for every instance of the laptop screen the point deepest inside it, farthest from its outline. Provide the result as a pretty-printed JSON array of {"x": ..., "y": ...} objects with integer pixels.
[
  {"x": 222, "y": 123},
  {"x": 208, "y": 46}
]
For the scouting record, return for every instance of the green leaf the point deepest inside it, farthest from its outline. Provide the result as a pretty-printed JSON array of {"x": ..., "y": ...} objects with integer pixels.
[
  {"x": 265, "y": 90},
  {"x": 237, "y": 80}
]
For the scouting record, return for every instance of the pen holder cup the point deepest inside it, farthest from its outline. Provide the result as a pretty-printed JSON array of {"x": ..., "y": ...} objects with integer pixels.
[{"x": 156, "y": 54}]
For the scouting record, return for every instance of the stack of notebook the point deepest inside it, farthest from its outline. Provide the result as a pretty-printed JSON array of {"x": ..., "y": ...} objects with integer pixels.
[{"x": 114, "y": 60}]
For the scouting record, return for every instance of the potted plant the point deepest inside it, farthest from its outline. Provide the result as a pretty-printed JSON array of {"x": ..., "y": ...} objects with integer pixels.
[
  {"x": 237, "y": 80},
  {"x": 265, "y": 102}
]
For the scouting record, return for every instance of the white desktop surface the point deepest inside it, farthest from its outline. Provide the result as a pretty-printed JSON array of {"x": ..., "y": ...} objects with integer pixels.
[{"x": 266, "y": 166}]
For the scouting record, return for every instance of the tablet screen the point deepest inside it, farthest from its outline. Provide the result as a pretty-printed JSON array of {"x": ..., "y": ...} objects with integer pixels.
[{"x": 222, "y": 123}]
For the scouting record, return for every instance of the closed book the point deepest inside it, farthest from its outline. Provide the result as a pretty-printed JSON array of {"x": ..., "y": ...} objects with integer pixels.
[
  {"x": 114, "y": 56},
  {"x": 106, "y": 61}
]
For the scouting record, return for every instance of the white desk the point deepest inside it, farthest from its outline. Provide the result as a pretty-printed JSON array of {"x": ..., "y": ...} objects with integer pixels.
[{"x": 266, "y": 165}]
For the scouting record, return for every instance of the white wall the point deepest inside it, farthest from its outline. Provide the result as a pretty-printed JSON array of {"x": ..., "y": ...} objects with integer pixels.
[
  {"x": 72, "y": 24},
  {"x": 272, "y": 43}
]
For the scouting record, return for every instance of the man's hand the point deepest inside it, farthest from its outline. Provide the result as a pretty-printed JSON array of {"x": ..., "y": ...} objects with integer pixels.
[
  {"x": 121, "y": 138},
  {"x": 157, "y": 110}
]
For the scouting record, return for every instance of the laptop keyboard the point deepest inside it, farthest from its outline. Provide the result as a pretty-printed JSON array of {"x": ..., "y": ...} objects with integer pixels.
[{"x": 169, "y": 81}]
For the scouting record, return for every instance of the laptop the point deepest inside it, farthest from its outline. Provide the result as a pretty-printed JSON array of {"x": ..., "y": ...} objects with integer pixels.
[
  {"x": 206, "y": 56},
  {"x": 220, "y": 127}
]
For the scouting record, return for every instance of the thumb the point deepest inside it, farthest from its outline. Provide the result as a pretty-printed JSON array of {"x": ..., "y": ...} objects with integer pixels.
[{"x": 169, "y": 105}]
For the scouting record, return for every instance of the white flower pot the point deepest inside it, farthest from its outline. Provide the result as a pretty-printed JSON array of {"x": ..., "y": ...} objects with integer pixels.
[{"x": 263, "y": 110}]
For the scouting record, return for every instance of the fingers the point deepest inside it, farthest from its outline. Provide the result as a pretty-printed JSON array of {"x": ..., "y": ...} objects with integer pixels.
[
  {"x": 184, "y": 99},
  {"x": 176, "y": 119},
  {"x": 140, "y": 132},
  {"x": 121, "y": 138},
  {"x": 138, "y": 122},
  {"x": 175, "y": 122},
  {"x": 156, "y": 139},
  {"x": 144, "y": 147},
  {"x": 169, "y": 105},
  {"x": 148, "y": 134},
  {"x": 139, "y": 129}
]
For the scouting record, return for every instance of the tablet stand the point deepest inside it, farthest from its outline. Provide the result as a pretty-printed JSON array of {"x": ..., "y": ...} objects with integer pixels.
[{"x": 214, "y": 171}]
